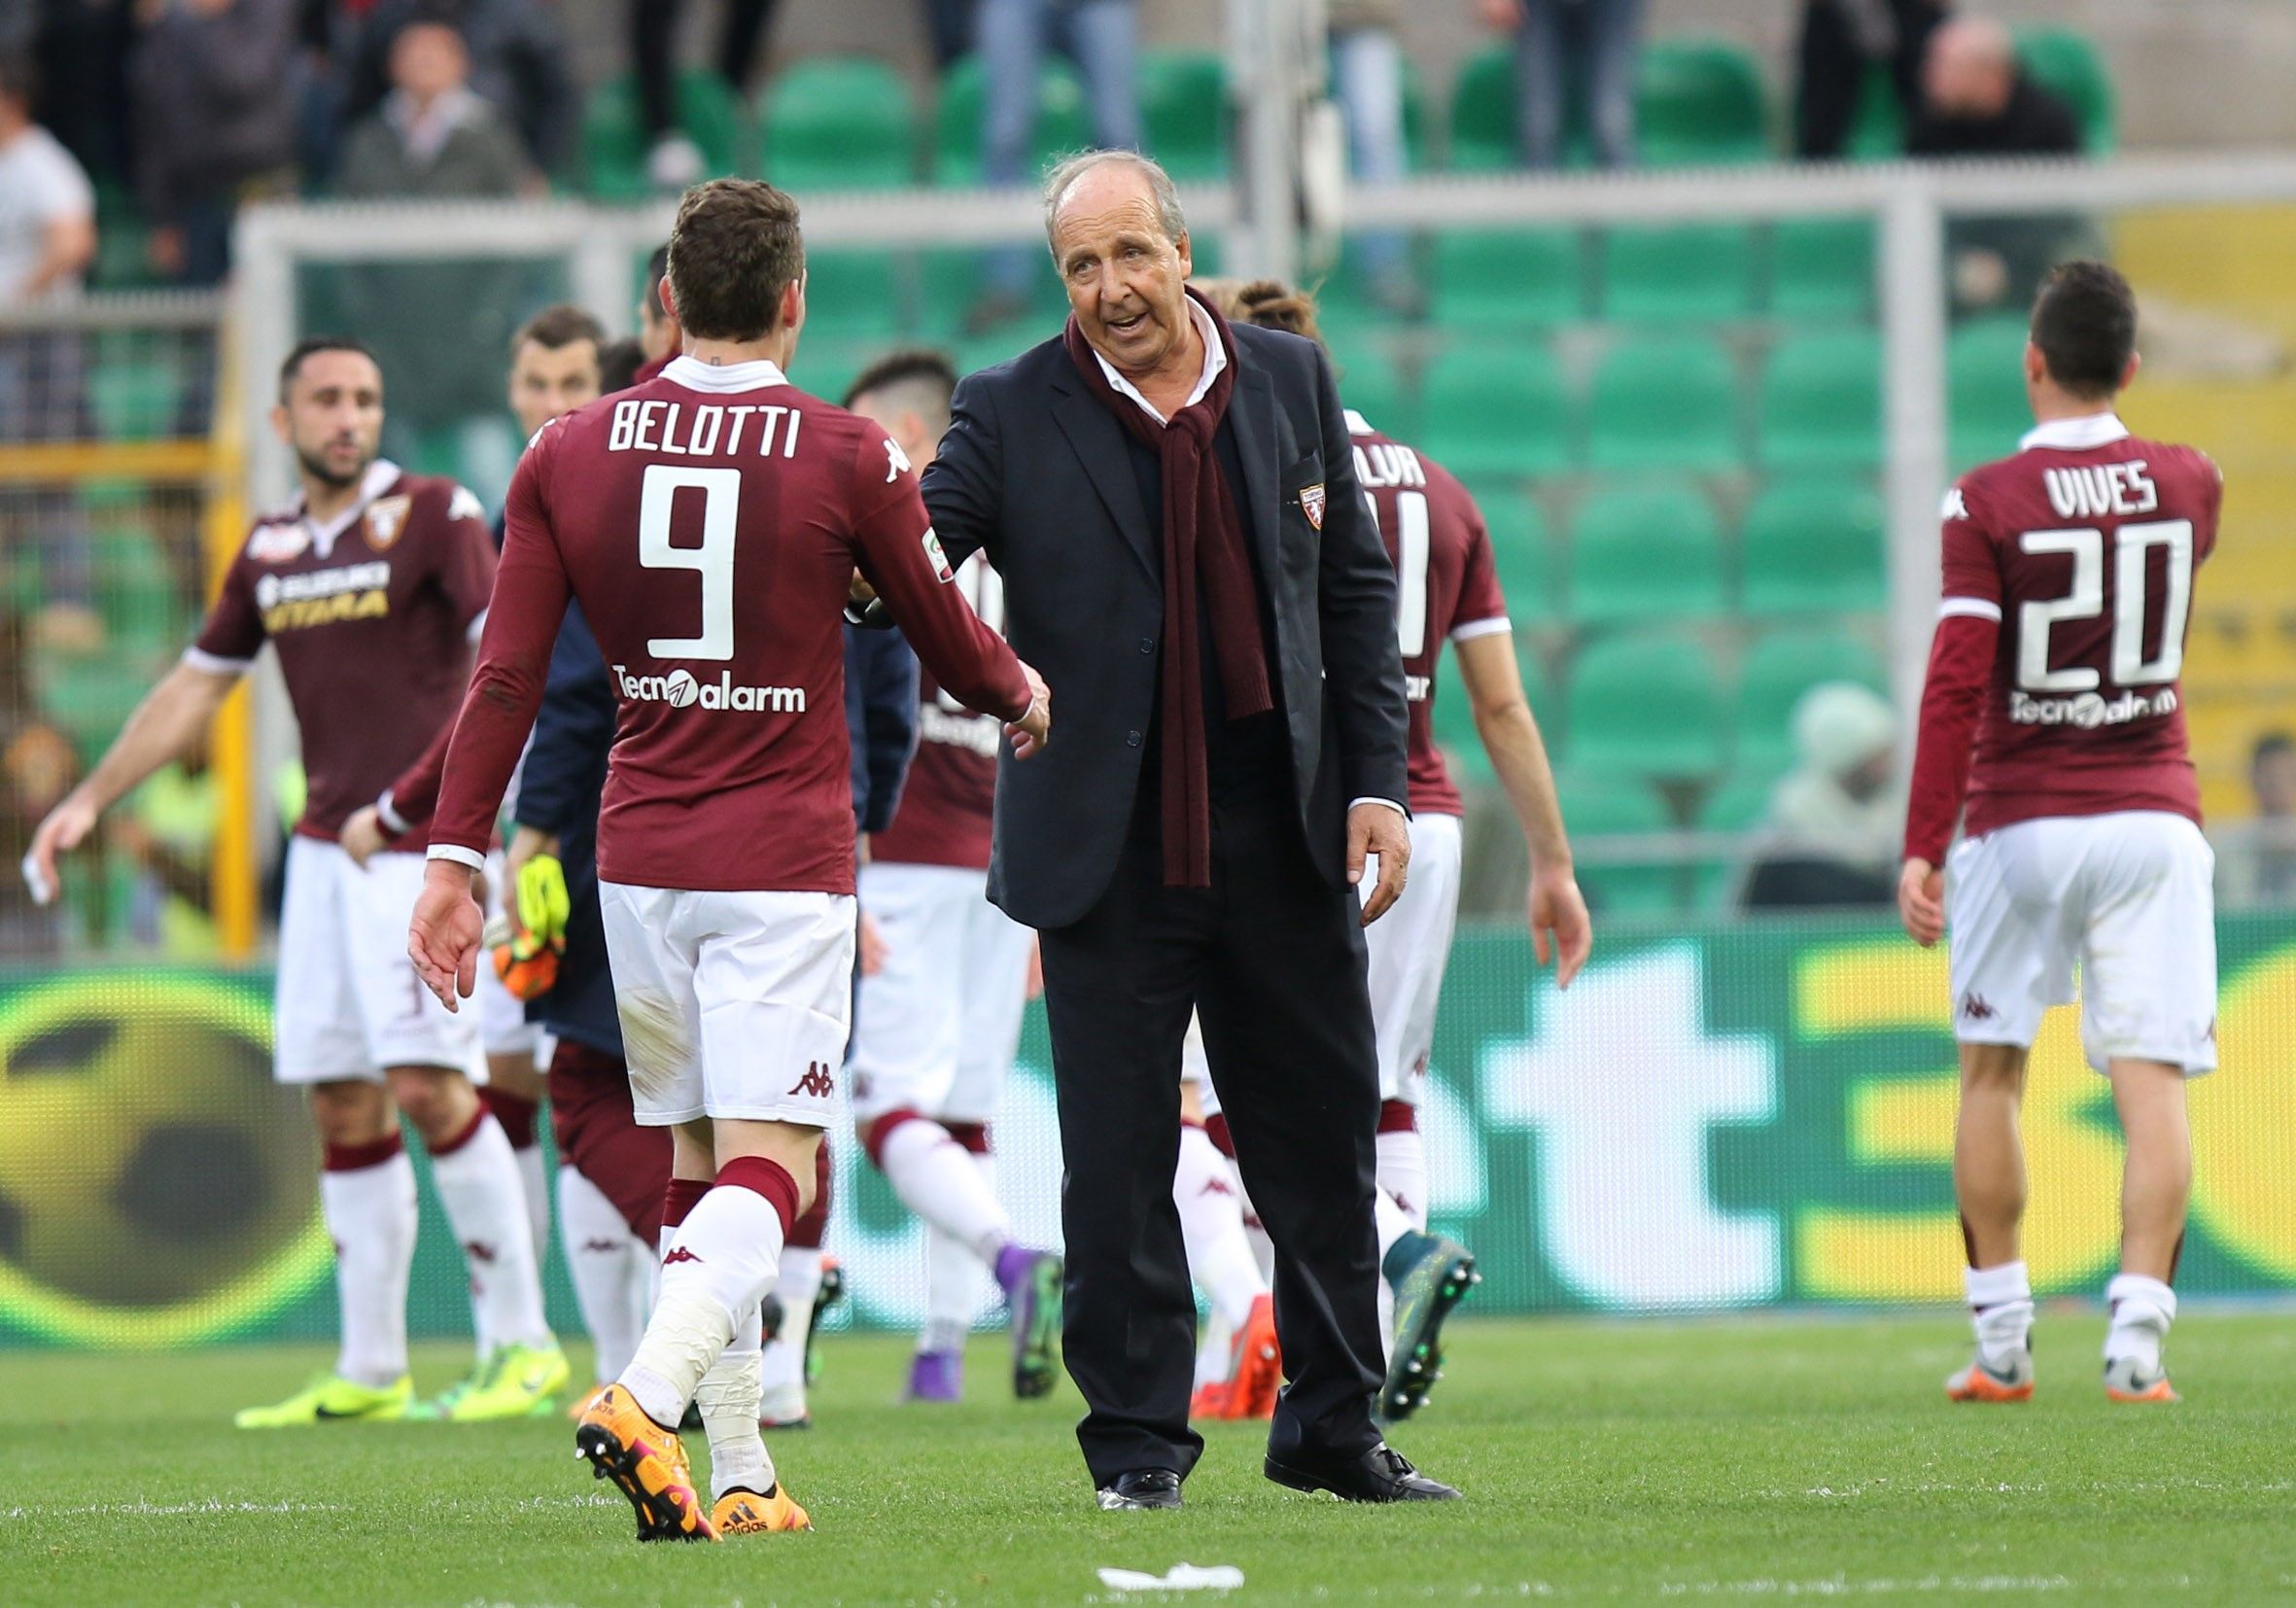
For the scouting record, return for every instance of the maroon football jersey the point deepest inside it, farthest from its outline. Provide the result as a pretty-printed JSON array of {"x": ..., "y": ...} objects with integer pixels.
[
  {"x": 371, "y": 614},
  {"x": 2082, "y": 549},
  {"x": 710, "y": 522},
  {"x": 1446, "y": 585},
  {"x": 948, "y": 802}
]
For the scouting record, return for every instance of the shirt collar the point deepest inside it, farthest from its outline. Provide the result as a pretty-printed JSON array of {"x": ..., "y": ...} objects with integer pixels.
[
  {"x": 2085, "y": 433},
  {"x": 380, "y": 477},
  {"x": 1215, "y": 359},
  {"x": 697, "y": 375}
]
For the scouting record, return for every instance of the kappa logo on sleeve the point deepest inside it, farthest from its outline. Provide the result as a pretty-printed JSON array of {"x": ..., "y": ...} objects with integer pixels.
[
  {"x": 896, "y": 461},
  {"x": 938, "y": 558},
  {"x": 279, "y": 544},
  {"x": 464, "y": 505},
  {"x": 1955, "y": 508},
  {"x": 1311, "y": 504}
]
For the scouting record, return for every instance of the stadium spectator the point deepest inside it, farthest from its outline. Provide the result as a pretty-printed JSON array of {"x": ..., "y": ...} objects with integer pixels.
[
  {"x": 1101, "y": 37},
  {"x": 948, "y": 25},
  {"x": 1560, "y": 44},
  {"x": 214, "y": 115},
  {"x": 1977, "y": 102},
  {"x": 79, "y": 51},
  {"x": 1367, "y": 80},
  {"x": 433, "y": 139},
  {"x": 47, "y": 205},
  {"x": 1839, "y": 40},
  {"x": 2256, "y": 861},
  {"x": 672, "y": 160},
  {"x": 519, "y": 63},
  {"x": 37, "y": 769},
  {"x": 1834, "y": 819},
  {"x": 618, "y": 363}
]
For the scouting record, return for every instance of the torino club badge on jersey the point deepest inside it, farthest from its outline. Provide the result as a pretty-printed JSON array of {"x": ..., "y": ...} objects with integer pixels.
[{"x": 1311, "y": 504}]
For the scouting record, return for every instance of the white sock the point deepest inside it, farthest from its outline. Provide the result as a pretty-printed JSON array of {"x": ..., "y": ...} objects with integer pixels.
[
  {"x": 935, "y": 1178},
  {"x": 536, "y": 1183},
  {"x": 1389, "y": 1222},
  {"x": 783, "y": 1374},
  {"x": 1402, "y": 1172},
  {"x": 610, "y": 1269},
  {"x": 370, "y": 1214},
  {"x": 1212, "y": 1222},
  {"x": 2142, "y": 1309},
  {"x": 486, "y": 1205},
  {"x": 728, "y": 1397},
  {"x": 2001, "y": 1312},
  {"x": 953, "y": 1283},
  {"x": 721, "y": 1262}
]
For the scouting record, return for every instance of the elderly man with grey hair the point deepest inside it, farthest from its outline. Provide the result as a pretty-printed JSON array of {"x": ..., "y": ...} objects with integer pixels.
[{"x": 1172, "y": 503}]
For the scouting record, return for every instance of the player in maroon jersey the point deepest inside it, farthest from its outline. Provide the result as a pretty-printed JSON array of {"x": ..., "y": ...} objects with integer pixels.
[
  {"x": 940, "y": 1019},
  {"x": 708, "y": 522},
  {"x": 2053, "y": 715},
  {"x": 368, "y": 586},
  {"x": 1448, "y": 589}
]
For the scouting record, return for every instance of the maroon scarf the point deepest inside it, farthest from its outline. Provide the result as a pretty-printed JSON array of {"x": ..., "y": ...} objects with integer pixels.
[{"x": 1203, "y": 548}]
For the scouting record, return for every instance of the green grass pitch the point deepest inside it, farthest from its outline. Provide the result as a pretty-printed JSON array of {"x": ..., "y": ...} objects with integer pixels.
[{"x": 1601, "y": 1461}]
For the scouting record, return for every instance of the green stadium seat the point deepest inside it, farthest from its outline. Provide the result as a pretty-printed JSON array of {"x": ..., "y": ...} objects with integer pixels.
[
  {"x": 1060, "y": 123},
  {"x": 1483, "y": 123},
  {"x": 1699, "y": 102},
  {"x": 1492, "y": 411},
  {"x": 1646, "y": 704},
  {"x": 134, "y": 401},
  {"x": 1822, "y": 403},
  {"x": 1816, "y": 546},
  {"x": 951, "y": 282},
  {"x": 1646, "y": 553},
  {"x": 1664, "y": 403},
  {"x": 1738, "y": 803},
  {"x": 1484, "y": 280},
  {"x": 1686, "y": 273},
  {"x": 839, "y": 123},
  {"x": 1822, "y": 267},
  {"x": 136, "y": 591},
  {"x": 1877, "y": 134},
  {"x": 1779, "y": 669},
  {"x": 1522, "y": 554},
  {"x": 1985, "y": 390},
  {"x": 2067, "y": 61},
  {"x": 1598, "y": 804},
  {"x": 89, "y": 697},
  {"x": 613, "y": 144},
  {"x": 1184, "y": 109},
  {"x": 1370, "y": 383},
  {"x": 853, "y": 295}
]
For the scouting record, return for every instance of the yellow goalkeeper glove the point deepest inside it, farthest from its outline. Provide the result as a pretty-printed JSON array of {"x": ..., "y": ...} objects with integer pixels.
[{"x": 526, "y": 951}]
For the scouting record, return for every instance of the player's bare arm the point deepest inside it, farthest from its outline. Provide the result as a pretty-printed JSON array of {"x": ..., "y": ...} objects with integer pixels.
[
  {"x": 1560, "y": 930},
  {"x": 163, "y": 727}
]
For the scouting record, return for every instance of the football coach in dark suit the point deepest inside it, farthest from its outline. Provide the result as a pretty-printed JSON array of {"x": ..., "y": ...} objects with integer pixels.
[{"x": 1189, "y": 559}]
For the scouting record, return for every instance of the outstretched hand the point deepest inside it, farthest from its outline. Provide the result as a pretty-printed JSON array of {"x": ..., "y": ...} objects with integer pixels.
[{"x": 448, "y": 928}]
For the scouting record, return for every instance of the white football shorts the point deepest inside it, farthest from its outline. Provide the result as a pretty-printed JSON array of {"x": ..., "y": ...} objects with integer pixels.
[
  {"x": 939, "y": 1025},
  {"x": 732, "y": 1004},
  {"x": 349, "y": 1001},
  {"x": 502, "y": 1027},
  {"x": 2125, "y": 898},
  {"x": 1409, "y": 946}
]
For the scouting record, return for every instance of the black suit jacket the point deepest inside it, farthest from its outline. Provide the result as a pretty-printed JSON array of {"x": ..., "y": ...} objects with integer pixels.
[{"x": 1036, "y": 471}]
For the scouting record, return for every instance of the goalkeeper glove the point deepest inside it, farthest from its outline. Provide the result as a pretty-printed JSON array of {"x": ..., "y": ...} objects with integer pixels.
[{"x": 526, "y": 952}]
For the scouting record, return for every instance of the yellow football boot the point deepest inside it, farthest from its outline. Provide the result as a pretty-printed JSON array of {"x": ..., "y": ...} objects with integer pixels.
[
  {"x": 741, "y": 1512},
  {"x": 514, "y": 1381},
  {"x": 646, "y": 1463},
  {"x": 331, "y": 1398}
]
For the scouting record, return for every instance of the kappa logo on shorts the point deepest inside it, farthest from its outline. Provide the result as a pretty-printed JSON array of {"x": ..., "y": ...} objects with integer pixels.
[
  {"x": 1975, "y": 1008},
  {"x": 480, "y": 1251},
  {"x": 678, "y": 1253},
  {"x": 817, "y": 1083},
  {"x": 1216, "y": 1186}
]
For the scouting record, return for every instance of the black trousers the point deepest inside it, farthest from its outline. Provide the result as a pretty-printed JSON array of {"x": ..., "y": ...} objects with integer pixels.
[
  {"x": 1832, "y": 67},
  {"x": 1271, "y": 958}
]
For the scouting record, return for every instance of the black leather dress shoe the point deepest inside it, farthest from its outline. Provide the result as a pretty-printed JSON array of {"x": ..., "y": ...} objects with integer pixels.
[
  {"x": 1380, "y": 1475},
  {"x": 1142, "y": 1488}
]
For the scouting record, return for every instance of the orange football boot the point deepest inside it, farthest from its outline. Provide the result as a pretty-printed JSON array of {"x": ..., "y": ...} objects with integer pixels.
[
  {"x": 1980, "y": 1383},
  {"x": 2127, "y": 1381},
  {"x": 646, "y": 1462},
  {"x": 743, "y": 1512}
]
